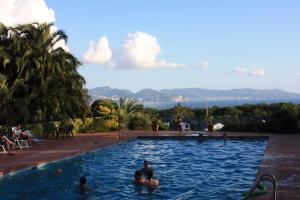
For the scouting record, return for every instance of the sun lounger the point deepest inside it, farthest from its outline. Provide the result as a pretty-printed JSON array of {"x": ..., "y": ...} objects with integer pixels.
[{"x": 22, "y": 144}]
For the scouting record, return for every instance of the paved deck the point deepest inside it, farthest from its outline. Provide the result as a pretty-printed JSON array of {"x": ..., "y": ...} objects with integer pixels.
[{"x": 281, "y": 158}]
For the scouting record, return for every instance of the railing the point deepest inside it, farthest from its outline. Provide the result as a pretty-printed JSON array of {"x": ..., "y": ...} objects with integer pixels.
[{"x": 265, "y": 177}]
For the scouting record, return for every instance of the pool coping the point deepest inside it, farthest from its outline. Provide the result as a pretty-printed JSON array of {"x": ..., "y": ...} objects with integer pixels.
[{"x": 206, "y": 137}]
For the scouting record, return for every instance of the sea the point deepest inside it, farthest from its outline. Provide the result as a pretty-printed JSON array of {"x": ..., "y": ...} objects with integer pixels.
[{"x": 219, "y": 103}]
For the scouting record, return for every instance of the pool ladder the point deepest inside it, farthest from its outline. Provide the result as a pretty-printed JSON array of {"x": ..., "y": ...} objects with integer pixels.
[{"x": 265, "y": 177}]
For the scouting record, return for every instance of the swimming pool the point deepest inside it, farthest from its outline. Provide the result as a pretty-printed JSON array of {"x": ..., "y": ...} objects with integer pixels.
[{"x": 187, "y": 169}]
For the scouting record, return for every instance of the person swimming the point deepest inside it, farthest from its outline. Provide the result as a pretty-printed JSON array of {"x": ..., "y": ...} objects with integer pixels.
[
  {"x": 145, "y": 168},
  {"x": 138, "y": 177},
  {"x": 58, "y": 171},
  {"x": 150, "y": 180},
  {"x": 82, "y": 187}
]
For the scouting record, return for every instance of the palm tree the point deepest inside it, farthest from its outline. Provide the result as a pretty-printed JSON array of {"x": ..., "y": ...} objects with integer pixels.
[
  {"x": 42, "y": 80},
  {"x": 127, "y": 107}
]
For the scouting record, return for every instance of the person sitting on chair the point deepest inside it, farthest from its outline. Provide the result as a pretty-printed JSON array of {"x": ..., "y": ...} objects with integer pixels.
[
  {"x": 5, "y": 141},
  {"x": 23, "y": 135}
]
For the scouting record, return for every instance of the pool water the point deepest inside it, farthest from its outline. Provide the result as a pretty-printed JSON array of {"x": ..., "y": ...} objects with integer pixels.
[{"x": 187, "y": 169}]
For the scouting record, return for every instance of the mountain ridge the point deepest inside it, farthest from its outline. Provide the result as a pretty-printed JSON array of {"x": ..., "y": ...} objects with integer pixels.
[{"x": 189, "y": 94}]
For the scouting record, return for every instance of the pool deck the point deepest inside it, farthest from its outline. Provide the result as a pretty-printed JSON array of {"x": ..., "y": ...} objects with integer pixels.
[{"x": 281, "y": 157}]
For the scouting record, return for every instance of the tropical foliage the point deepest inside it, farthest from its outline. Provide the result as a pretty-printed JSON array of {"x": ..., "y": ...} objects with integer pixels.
[
  {"x": 39, "y": 81},
  {"x": 106, "y": 108},
  {"x": 127, "y": 107},
  {"x": 95, "y": 124},
  {"x": 140, "y": 121},
  {"x": 277, "y": 117}
]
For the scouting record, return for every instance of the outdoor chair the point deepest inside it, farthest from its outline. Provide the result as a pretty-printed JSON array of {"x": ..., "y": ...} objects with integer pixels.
[{"x": 22, "y": 144}]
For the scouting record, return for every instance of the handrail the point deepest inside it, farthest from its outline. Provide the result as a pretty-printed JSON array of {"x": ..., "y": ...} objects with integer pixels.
[{"x": 264, "y": 177}]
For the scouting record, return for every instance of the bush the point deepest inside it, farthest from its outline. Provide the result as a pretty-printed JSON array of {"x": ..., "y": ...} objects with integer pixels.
[
  {"x": 164, "y": 126},
  {"x": 105, "y": 108},
  {"x": 37, "y": 130},
  {"x": 96, "y": 124},
  {"x": 140, "y": 121}
]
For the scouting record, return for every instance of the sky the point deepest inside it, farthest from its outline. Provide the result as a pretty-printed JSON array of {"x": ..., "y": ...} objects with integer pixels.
[{"x": 136, "y": 44}]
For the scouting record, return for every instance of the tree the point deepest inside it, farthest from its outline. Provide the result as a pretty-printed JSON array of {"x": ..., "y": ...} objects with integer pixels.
[
  {"x": 105, "y": 108},
  {"x": 140, "y": 121},
  {"x": 39, "y": 81},
  {"x": 181, "y": 113},
  {"x": 127, "y": 107}
]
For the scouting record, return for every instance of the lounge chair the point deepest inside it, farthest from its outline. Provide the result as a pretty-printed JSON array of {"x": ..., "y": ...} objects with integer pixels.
[
  {"x": 18, "y": 141},
  {"x": 22, "y": 144}
]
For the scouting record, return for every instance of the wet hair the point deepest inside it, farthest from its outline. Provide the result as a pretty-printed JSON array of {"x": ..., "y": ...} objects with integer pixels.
[
  {"x": 82, "y": 180},
  {"x": 58, "y": 171},
  {"x": 149, "y": 174},
  {"x": 146, "y": 162},
  {"x": 137, "y": 173}
]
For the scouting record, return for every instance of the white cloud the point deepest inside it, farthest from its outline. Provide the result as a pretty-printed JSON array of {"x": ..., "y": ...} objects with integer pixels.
[
  {"x": 98, "y": 52},
  {"x": 258, "y": 72},
  {"x": 14, "y": 12},
  {"x": 252, "y": 72},
  {"x": 140, "y": 50}
]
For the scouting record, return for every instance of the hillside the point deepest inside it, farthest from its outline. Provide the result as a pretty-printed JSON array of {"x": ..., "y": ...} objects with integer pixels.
[{"x": 189, "y": 94}]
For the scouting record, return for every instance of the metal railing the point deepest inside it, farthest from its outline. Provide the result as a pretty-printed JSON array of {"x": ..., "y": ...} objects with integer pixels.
[{"x": 265, "y": 177}]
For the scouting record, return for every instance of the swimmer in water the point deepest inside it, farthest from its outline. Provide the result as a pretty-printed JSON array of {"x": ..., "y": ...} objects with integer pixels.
[
  {"x": 150, "y": 180},
  {"x": 82, "y": 187},
  {"x": 138, "y": 177}
]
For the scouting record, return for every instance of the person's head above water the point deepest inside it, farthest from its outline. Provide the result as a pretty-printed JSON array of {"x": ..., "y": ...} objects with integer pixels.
[
  {"x": 82, "y": 181},
  {"x": 146, "y": 164},
  {"x": 58, "y": 171},
  {"x": 138, "y": 175}
]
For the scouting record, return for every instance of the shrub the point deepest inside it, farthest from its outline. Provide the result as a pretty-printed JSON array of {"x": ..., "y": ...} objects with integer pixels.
[
  {"x": 105, "y": 108},
  {"x": 140, "y": 121},
  {"x": 96, "y": 124},
  {"x": 164, "y": 126}
]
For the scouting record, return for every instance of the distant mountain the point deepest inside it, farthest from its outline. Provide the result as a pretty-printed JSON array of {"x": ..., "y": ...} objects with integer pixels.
[
  {"x": 152, "y": 95},
  {"x": 234, "y": 93},
  {"x": 190, "y": 94},
  {"x": 107, "y": 92}
]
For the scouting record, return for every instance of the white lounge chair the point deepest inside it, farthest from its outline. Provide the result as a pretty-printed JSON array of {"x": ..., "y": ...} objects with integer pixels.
[
  {"x": 22, "y": 144},
  {"x": 185, "y": 127}
]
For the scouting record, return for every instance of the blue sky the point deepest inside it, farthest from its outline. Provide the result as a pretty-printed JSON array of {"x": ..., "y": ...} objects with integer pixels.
[{"x": 187, "y": 43}]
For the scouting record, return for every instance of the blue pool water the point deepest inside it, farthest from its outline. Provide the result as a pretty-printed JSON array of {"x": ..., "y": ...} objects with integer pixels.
[{"x": 187, "y": 169}]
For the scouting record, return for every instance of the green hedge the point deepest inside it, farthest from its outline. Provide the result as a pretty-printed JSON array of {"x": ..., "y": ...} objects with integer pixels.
[{"x": 96, "y": 124}]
